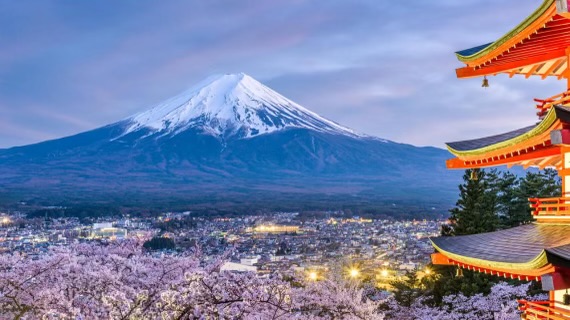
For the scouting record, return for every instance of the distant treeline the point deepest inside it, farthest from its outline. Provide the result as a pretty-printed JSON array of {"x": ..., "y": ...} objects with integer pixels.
[
  {"x": 307, "y": 211},
  {"x": 84, "y": 211}
]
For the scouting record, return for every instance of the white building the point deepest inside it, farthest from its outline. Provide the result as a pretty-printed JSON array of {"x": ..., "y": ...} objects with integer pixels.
[{"x": 238, "y": 267}]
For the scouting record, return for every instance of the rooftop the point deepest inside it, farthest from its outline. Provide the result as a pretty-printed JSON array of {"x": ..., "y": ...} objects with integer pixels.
[{"x": 529, "y": 246}]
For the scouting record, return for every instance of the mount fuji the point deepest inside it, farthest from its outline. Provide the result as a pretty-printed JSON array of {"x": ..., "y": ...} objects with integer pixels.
[
  {"x": 232, "y": 105},
  {"x": 230, "y": 138}
]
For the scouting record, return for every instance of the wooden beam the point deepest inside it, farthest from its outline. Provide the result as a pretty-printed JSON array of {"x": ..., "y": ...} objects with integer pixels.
[
  {"x": 564, "y": 70},
  {"x": 552, "y": 68},
  {"x": 545, "y": 162},
  {"x": 526, "y": 164},
  {"x": 532, "y": 70},
  {"x": 469, "y": 72},
  {"x": 440, "y": 259},
  {"x": 567, "y": 75},
  {"x": 457, "y": 163}
]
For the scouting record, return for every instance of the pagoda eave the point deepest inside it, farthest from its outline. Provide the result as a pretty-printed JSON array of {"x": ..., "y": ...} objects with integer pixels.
[
  {"x": 521, "y": 274},
  {"x": 531, "y": 250},
  {"x": 530, "y": 26},
  {"x": 538, "y": 145},
  {"x": 536, "y": 62},
  {"x": 539, "y": 157},
  {"x": 536, "y": 47}
]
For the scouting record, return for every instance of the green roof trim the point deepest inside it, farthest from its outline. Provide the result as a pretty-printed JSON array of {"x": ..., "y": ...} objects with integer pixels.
[
  {"x": 485, "y": 49},
  {"x": 536, "y": 263},
  {"x": 520, "y": 248},
  {"x": 542, "y": 127}
]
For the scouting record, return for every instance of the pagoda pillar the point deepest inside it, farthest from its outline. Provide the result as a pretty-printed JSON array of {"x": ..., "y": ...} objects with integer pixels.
[
  {"x": 564, "y": 172},
  {"x": 567, "y": 69}
]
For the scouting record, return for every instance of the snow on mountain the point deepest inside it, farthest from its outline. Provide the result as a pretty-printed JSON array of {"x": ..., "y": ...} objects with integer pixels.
[{"x": 230, "y": 105}]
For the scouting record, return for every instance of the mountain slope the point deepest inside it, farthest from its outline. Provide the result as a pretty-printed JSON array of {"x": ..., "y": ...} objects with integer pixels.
[
  {"x": 229, "y": 137},
  {"x": 227, "y": 105}
]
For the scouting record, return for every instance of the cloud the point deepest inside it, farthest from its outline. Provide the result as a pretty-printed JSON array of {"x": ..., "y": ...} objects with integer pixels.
[{"x": 384, "y": 68}]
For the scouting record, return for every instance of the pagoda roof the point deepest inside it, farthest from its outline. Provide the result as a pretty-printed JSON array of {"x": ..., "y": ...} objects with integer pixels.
[
  {"x": 537, "y": 46},
  {"x": 528, "y": 144},
  {"x": 475, "y": 144},
  {"x": 471, "y": 51},
  {"x": 524, "y": 248},
  {"x": 560, "y": 251}
]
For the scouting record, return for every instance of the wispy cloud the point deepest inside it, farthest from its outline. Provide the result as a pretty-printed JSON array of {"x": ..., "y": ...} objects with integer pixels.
[{"x": 384, "y": 68}]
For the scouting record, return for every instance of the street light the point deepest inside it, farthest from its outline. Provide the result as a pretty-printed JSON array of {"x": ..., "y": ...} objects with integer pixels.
[
  {"x": 427, "y": 271},
  {"x": 384, "y": 273},
  {"x": 353, "y": 272},
  {"x": 313, "y": 276}
]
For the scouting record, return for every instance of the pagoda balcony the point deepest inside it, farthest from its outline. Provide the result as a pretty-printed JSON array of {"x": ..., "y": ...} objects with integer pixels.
[
  {"x": 550, "y": 208},
  {"x": 542, "y": 310}
]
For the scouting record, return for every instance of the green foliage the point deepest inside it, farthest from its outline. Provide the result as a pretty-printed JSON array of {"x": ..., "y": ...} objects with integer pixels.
[
  {"x": 407, "y": 289},
  {"x": 496, "y": 200},
  {"x": 84, "y": 211},
  {"x": 159, "y": 243},
  {"x": 448, "y": 282},
  {"x": 475, "y": 211},
  {"x": 514, "y": 193},
  {"x": 491, "y": 201},
  {"x": 172, "y": 225}
]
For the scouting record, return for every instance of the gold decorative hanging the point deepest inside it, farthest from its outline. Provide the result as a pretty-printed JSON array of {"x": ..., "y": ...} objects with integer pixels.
[
  {"x": 459, "y": 272},
  {"x": 485, "y": 82},
  {"x": 473, "y": 176}
]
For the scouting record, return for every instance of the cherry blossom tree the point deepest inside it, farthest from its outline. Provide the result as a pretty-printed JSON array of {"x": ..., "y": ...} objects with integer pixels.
[
  {"x": 122, "y": 281},
  {"x": 500, "y": 304}
]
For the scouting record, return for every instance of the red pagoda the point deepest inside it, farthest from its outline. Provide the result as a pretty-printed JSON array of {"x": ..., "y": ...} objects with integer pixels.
[{"x": 538, "y": 46}]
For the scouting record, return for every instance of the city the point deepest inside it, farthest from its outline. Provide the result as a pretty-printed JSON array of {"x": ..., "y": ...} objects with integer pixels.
[{"x": 283, "y": 243}]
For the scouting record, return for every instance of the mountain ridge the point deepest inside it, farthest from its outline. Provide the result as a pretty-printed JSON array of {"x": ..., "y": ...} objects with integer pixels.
[
  {"x": 182, "y": 148},
  {"x": 222, "y": 105}
]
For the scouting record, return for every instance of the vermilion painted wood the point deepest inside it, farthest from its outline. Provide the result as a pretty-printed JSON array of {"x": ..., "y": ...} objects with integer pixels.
[
  {"x": 538, "y": 154},
  {"x": 468, "y": 72},
  {"x": 533, "y": 274},
  {"x": 514, "y": 41}
]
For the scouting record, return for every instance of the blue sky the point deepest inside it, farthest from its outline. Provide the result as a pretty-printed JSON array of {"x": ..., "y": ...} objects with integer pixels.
[{"x": 384, "y": 68}]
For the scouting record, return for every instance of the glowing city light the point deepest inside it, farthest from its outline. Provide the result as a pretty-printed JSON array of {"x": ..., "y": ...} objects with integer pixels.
[
  {"x": 353, "y": 272},
  {"x": 427, "y": 271},
  {"x": 5, "y": 220},
  {"x": 384, "y": 273},
  {"x": 313, "y": 276}
]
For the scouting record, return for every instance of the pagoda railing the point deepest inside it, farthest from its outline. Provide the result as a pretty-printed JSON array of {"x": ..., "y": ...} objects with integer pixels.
[
  {"x": 542, "y": 310},
  {"x": 543, "y": 105},
  {"x": 542, "y": 207}
]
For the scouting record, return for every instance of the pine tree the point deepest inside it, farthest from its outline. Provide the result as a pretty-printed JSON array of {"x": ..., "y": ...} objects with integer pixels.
[
  {"x": 542, "y": 184},
  {"x": 476, "y": 209}
]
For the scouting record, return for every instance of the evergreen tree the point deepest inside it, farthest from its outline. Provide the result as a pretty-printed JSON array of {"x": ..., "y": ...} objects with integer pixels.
[
  {"x": 159, "y": 243},
  {"x": 542, "y": 184},
  {"x": 512, "y": 209},
  {"x": 476, "y": 208},
  {"x": 515, "y": 209},
  {"x": 485, "y": 199},
  {"x": 406, "y": 290}
]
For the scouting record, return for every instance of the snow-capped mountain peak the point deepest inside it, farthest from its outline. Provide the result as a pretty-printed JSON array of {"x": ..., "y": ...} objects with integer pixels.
[{"x": 228, "y": 105}]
